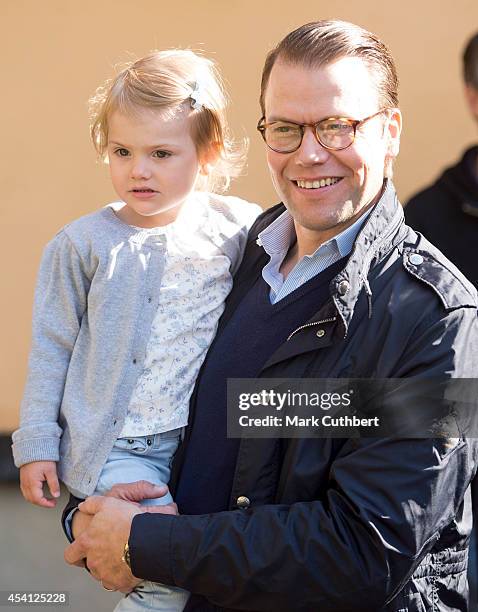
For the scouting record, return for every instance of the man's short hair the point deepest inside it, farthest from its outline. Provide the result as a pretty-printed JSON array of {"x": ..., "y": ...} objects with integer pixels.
[
  {"x": 470, "y": 62},
  {"x": 321, "y": 42}
]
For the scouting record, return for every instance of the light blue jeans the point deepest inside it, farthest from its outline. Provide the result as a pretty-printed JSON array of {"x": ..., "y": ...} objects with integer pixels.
[{"x": 145, "y": 458}]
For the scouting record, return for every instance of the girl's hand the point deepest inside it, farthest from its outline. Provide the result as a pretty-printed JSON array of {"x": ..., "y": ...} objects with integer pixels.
[{"x": 32, "y": 477}]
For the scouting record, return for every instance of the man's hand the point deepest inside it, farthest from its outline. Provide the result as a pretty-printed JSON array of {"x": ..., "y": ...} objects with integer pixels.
[
  {"x": 102, "y": 543},
  {"x": 136, "y": 492},
  {"x": 80, "y": 523},
  {"x": 103, "y": 525},
  {"x": 32, "y": 477}
]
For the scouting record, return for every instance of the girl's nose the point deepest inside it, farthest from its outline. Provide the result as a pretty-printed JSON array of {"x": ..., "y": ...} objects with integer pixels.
[{"x": 140, "y": 169}]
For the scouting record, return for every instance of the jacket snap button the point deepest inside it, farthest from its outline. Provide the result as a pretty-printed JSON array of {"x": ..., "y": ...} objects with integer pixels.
[
  {"x": 343, "y": 287},
  {"x": 243, "y": 502},
  {"x": 320, "y": 333},
  {"x": 415, "y": 259}
]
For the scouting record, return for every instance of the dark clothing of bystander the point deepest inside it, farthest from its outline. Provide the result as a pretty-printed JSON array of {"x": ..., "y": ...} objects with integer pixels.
[{"x": 447, "y": 214}]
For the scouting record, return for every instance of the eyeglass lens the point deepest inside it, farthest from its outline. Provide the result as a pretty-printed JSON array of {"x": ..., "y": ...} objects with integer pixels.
[{"x": 331, "y": 133}]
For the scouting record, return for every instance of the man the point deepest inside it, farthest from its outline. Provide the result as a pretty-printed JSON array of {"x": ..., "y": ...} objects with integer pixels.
[
  {"x": 333, "y": 284},
  {"x": 447, "y": 211}
]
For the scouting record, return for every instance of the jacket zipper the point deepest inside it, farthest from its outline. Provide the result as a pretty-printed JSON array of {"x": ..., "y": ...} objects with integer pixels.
[{"x": 310, "y": 325}]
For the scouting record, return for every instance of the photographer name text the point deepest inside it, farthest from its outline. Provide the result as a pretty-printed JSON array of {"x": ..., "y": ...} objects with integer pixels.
[{"x": 312, "y": 421}]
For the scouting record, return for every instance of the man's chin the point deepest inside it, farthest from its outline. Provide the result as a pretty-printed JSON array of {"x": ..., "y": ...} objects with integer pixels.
[{"x": 327, "y": 227}]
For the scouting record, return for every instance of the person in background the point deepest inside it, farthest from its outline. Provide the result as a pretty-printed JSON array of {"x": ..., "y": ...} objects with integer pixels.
[{"x": 447, "y": 212}]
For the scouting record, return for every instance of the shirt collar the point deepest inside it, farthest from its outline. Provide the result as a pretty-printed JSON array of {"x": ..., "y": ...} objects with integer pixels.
[{"x": 278, "y": 237}]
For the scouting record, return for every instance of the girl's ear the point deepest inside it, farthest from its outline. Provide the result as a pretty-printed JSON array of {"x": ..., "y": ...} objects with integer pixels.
[{"x": 209, "y": 158}]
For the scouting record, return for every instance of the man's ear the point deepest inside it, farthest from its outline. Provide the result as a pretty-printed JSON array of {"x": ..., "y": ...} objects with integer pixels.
[
  {"x": 393, "y": 130},
  {"x": 471, "y": 96},
  {"x": 209, "y": 158}
]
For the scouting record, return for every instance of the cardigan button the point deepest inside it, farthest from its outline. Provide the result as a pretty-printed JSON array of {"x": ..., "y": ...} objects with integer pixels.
[{"x": 243, "y": 501}]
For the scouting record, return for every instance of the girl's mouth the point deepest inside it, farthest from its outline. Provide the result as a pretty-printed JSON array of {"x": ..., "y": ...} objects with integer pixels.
[{"x": 143, "y": 194}]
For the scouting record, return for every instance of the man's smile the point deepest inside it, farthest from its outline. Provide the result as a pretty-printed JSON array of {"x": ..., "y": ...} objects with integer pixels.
[{"x": 317, "y": 183}]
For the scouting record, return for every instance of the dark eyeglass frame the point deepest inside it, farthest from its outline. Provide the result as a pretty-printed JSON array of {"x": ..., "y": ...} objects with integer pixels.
[{"x": 354, "y": 123}]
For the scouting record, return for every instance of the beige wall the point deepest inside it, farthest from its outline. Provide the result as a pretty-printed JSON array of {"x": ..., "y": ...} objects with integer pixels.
[{"x": 56, "y": 52}]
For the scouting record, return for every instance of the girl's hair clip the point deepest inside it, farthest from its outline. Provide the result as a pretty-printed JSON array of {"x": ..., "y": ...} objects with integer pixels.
[{"x": 197, "y": 97}]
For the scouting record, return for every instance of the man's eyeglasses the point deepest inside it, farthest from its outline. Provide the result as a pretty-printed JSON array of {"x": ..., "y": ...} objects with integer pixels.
[{"x": 335, "y": 133}]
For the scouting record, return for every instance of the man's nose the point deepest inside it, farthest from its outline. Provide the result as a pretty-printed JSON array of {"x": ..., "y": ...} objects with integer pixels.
[
  {"x": 140, "y": 169},
  {"x": 310, "y": 150}
]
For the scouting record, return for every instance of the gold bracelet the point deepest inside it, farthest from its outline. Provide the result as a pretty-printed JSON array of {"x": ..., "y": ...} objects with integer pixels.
[{"x": 126, "y": 556}]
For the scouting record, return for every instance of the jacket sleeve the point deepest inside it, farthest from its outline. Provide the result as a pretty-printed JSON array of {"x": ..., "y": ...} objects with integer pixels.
[
  {"x": 60, "y": 302},
  {"x": 386, "y": 505}
]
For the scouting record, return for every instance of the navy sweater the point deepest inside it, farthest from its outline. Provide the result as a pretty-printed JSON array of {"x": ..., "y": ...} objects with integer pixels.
[{"x": 256, "y": 329}]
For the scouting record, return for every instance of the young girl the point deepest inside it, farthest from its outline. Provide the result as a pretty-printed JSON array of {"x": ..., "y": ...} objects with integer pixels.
[{"x": 128, "y": 297}]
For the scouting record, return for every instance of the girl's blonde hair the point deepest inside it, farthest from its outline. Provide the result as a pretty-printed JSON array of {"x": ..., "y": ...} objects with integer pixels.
[{"x": 164, "y": 80}]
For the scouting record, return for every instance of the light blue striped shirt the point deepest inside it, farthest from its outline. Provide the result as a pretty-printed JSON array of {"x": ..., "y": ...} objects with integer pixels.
[{"x": 277, "y": 239}]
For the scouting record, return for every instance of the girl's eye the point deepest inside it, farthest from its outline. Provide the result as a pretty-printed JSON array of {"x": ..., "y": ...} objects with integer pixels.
[
  {"x": 161, "y": 154},
  {"x": 122, "y": 152}
]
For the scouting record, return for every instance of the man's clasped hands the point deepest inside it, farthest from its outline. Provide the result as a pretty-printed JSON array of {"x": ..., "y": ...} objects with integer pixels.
[{"x": 101, "y": 527}]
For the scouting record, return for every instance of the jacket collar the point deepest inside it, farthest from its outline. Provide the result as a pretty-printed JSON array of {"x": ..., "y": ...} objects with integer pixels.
[{"x": 377, "y": 236}]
